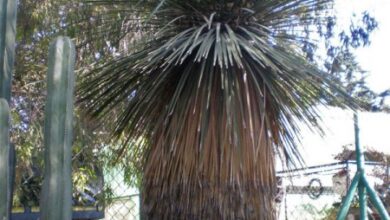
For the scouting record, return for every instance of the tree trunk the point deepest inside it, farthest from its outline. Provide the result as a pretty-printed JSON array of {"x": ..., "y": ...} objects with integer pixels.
[{"x": 219, "y": 168}]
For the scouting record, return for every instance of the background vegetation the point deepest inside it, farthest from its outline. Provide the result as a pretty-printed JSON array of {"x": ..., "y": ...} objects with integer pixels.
[{"x": 104, "y": 31}]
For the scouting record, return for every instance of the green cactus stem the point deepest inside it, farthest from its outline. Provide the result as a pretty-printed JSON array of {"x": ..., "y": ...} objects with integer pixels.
[
  {"x": 8, "y": 10},
  {"x": 56, "y": 200},
  {"x": 5, "y": 162}
]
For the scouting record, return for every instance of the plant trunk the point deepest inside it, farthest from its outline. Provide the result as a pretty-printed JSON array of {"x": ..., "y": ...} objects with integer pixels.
[
  {"x": 230, "y": 176},
  {"x": 223, "y": 191}
]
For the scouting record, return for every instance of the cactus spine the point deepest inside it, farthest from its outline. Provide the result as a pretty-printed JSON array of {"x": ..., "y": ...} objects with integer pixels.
[
  {"x": 5, "y": 162},
  {"x": 56, "y": 200},
  {"x": 8, "y": 10}
]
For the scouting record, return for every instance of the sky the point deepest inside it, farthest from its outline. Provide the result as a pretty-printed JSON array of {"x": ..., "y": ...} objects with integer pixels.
[
  {"x": 374, "y": 57},
  {"x": 338, "y": 124}
]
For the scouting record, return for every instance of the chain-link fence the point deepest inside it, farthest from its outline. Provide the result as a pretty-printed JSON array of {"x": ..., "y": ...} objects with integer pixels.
[
  {"x": 122, "y": 202},
  {"x": 313, "y": 193},
  {"x": 105, "y": 196},
  {"x": 123, "y": 208},
  {"x": 305, "y": 194}
]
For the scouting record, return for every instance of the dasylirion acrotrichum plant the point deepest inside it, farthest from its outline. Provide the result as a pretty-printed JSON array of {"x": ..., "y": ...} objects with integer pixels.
[
  {"x": 8, "y": 10},
  {"x": 5, "y": 161},
  {"x": 56, "y": 198}
]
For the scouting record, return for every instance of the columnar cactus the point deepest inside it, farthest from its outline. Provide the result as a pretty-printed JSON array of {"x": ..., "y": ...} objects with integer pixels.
[
  {"x": 56, "y": 200},
  {"x": 5, "y": 162},
  {"x": 8, "y": 10}
]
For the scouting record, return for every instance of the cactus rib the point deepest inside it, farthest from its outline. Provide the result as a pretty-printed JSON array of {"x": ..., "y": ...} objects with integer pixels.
[
  {"x": 56, "y": 201},
  {"x": 5, "y": 176},
  {"x": 8, "y": 10}
]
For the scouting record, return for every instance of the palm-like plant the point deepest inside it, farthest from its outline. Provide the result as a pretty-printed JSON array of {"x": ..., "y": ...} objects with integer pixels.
[{"x": 216, "y": 89}]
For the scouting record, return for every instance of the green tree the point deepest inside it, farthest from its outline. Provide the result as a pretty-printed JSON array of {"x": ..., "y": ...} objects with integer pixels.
[
  {"x": 39, "y": 21},
  {"x": 214, "y": 90}
]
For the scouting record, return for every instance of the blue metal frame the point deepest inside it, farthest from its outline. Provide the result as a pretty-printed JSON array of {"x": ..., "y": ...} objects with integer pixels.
[{"x": 32, "y": 215}]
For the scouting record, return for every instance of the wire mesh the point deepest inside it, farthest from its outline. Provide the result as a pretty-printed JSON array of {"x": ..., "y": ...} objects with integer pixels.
[
  {"x": 122, "y": 202},
  {"x": 123, "y": 208},
  {"x": 312, "y": 193}
]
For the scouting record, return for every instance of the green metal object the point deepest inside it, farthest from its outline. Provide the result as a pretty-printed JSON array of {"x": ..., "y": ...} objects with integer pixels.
[
  {"x": 56, "y": 200},
  {"x": 362, "y": 201},
  {"x": 360, "y": 167},
  {"x": 349, "y": 197},
  {"x": 376, "y": 201},
  {"x": 360, "y": 182},
  {"x": 8, "y": 10},
  {"x": 5, "y": 162}
]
